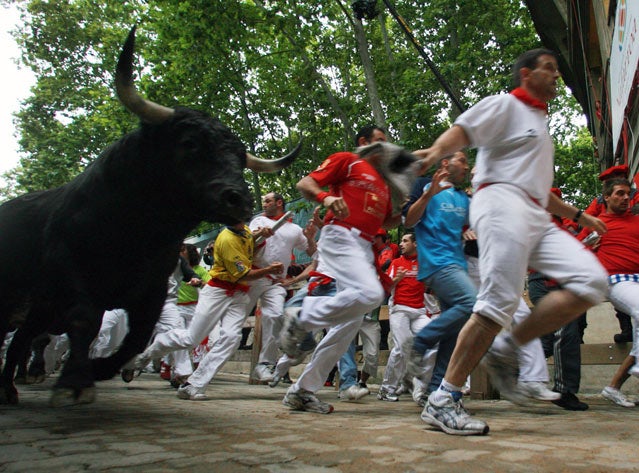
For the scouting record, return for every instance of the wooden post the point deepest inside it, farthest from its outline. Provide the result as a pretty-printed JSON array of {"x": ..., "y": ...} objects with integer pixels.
[
  {"x": 480, "y": 386},
  {"x": 257, "y": 345}
]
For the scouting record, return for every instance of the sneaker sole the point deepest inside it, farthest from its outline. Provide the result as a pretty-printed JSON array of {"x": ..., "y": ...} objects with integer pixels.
[
  {"x": 430, "y": 420},
  {"x": 196, "y": 397},
  {"x": 384, "y": 398},
  {"x": 546, "y": 398}
]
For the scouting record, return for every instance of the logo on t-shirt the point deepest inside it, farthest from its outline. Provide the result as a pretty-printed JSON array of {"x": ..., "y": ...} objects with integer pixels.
[
  {"x": 239, "y": 266},
  {"x": 374, "y": 205},
  {"x": 326, "y": 162}
]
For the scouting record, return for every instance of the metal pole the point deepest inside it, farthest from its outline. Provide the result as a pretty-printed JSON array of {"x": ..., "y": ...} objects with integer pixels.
[{"x": 424, "y": 55}]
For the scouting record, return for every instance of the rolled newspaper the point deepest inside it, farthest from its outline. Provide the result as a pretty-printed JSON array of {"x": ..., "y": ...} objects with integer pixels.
[{"x": 275, "y": 226}]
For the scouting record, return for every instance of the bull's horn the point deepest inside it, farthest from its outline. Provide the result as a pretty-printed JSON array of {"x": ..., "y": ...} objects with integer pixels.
[
  {"x": 272, "y": 165},
  {"x": 147, "y": 111}
]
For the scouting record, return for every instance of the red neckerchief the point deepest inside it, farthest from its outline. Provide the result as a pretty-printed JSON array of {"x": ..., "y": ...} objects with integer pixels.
[
  {"x": 525, "y": 97},
  {"x": 277, "y": 217},
  {"x": 319, "y": 280}
]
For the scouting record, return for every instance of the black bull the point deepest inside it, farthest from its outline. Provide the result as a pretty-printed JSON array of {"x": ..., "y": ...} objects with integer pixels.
[{"x": 110, "y": 238}]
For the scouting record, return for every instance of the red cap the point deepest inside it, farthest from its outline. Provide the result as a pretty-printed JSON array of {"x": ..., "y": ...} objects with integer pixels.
[
  {"x": 556, "y": 191},
  {"x": 381, "y": 232},
  {"x": 608, "y": 173}
]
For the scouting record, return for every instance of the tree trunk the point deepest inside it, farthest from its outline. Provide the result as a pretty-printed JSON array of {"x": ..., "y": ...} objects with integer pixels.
[{"x": 369, "y": 74}]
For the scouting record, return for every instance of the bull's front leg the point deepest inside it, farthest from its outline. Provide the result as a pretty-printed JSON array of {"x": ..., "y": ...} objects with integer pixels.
[
  {"x": 19, "y": 346},
  {"x": 75, "y": 385}
]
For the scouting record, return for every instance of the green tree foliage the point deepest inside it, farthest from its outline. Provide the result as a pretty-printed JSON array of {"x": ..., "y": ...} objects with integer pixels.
[
  {"x": 271, "y": 70},
  {"x": 576, "y": 169}
]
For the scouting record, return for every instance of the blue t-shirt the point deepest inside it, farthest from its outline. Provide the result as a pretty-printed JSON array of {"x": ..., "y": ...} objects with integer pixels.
[{"x": 439, "y": 231}]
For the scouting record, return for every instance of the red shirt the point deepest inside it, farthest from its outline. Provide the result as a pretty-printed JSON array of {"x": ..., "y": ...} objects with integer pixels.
[
  {"x": 409, "y": 291},
  {"x": 619, "y": 248},
  {"x": 362, "y": 188}
]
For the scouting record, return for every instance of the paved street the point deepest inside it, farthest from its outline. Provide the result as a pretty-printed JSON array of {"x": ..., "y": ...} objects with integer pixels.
[{"x": 145, "y": 427}]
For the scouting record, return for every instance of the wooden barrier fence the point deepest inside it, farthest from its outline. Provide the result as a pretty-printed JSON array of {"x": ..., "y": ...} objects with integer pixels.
[{"x": 480, "y": 386}]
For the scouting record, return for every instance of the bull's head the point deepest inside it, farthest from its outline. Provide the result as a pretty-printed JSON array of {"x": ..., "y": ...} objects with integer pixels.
[
  {"x": 398, "y": 167},
  {"x": 212, "y": 157}
]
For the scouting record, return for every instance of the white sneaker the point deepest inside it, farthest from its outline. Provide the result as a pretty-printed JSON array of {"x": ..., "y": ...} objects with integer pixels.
[
  {"x": 354, "y": 392},
  {"x": 537, "y": 390},
  {"x": 292, "y": 334},
  {"x": 617, "y": 397},
  {"x": 451, "y": 417},
  {"x": 263, "y": 372},
  {"x": 420, "y": 394},
  {"x": 190, "y": 392},
  {"x": 634, "y": 370},
  {"x": 303, "y": 400},
  {"x": 385, "y": 395}
]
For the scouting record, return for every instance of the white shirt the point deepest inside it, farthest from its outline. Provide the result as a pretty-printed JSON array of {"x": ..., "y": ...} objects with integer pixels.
[
  {"x": 278, "y": 247},
  {"x": 514, "y": 146}
]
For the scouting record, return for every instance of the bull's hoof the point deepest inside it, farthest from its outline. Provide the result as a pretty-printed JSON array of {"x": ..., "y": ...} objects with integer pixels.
[
  {"x": 128, "y": 375},
  {"x": 62, "y": 397},
  {"x": 9, "y": 396}
]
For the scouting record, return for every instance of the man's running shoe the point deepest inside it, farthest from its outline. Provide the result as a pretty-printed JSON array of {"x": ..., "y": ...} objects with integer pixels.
[
  {"x": 537, "y": 390},
  {"x": 353, "y": 393},
  {"x": 303, "y": 400},
  {"x": 503, "y": 370},
  {"x": 191, "y": 393},
  {"x": 385, "y": 395},
  {"x": 292, "y": 333},
  {"x": 451, "y": 417}
]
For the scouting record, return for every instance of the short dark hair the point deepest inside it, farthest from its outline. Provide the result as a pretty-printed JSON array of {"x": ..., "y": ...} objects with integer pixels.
[
  {"x": 609, "y": 185},
  {"x": 367, "y": 132},
  {"x": 529, "y": 59},
  {"x": 277, "y": 196},
  {"x": 410, "y": 235}
]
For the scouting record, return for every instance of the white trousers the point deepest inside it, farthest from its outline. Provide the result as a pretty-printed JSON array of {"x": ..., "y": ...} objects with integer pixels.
[
  {"x": 272, "y": 297},
  {"x": 171, "y": 319},
  {"x": 56, "y": 351},
  {"x": 213, "y": 306},
  {"x": 114, "y": 327},
  {"x": 349, "y": 260},
  {"x": 532, "y": 361},
  {"x": 371, "y": 333},
  {"x": 514, "y": 233},
  {"x": 624, "y": 296},
  {"x": 405, "y": 322}
]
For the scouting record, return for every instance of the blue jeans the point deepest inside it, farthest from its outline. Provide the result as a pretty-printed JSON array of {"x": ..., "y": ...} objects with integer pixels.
[
  {"x": 456, "y": 293},
  {"x": 348, "y": 368}
]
